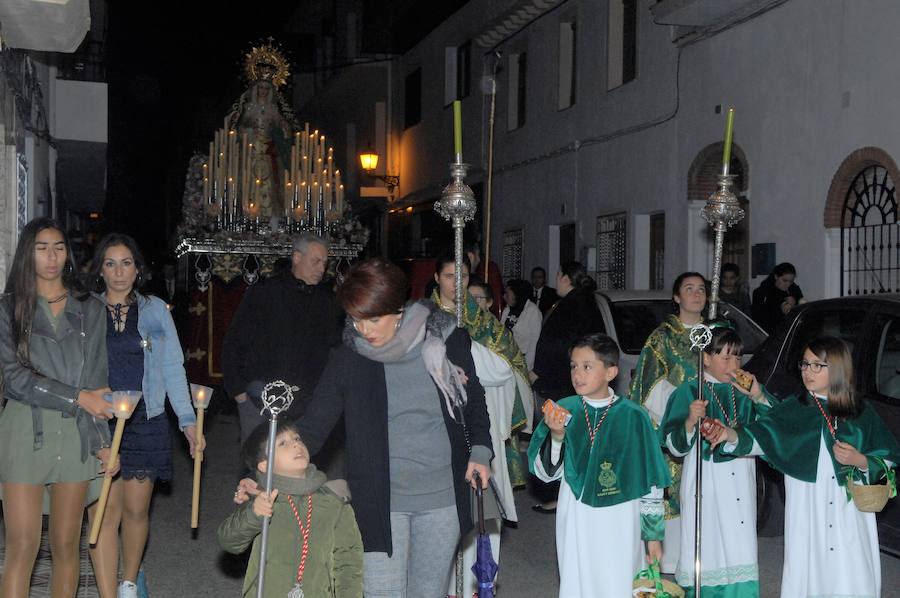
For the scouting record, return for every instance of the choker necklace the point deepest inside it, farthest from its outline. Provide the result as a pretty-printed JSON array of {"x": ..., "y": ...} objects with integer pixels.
[{"x": 58, "y": 299}]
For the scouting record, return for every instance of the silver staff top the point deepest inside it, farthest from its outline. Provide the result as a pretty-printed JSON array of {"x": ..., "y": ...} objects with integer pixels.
[
  {"x": 277, "y": 397},
  {"x": 701, "y": 336}
]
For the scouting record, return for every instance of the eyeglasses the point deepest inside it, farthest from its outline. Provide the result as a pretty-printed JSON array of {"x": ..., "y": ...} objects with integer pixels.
[
  {"x": 815, "y": 366},
  {"x": 479, "y": 297}
]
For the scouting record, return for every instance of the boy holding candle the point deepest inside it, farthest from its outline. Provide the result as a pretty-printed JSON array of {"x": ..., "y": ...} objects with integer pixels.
[
  {"x": 606, "y": 453},
  {"x": 314, "y": 542}
]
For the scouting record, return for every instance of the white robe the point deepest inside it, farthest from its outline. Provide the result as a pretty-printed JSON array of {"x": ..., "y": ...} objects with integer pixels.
[
  {"x": 598, "y": 549},
  {"x": 728, "y": 550},
  {"x": 830, "y": 546},
  {"x": 527, "y": 330}
]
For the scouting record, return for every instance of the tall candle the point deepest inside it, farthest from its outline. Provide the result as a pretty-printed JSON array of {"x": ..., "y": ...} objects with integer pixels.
[
  {"x": 729, "y": 133},
  {"x": 457, "y": 127}
]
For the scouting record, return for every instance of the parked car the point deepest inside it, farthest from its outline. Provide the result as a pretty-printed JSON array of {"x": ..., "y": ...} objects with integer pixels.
[
  {"x": 870, "y": 325},
  {"x": 630, "y": 316}
]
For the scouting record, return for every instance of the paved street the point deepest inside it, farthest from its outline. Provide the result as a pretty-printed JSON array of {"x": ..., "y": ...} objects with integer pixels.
[{"x": 181, "y": 565}]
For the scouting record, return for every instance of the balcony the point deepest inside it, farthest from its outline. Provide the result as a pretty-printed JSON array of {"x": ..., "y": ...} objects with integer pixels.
[
  {"x": 45, "y": 25},
  {"x": 698, "y": 18}
]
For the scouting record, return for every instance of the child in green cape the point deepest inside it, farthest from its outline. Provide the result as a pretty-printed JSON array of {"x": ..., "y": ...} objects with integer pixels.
[
  {"x": 604, "y": 449},
  {"x": 823, "y": 441}
]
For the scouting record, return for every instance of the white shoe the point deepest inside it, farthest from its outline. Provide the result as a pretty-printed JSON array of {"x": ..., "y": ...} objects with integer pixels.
[{"x": 127, "y": 589}]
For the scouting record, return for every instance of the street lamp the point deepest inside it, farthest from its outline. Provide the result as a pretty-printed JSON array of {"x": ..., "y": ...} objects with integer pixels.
[{"x": 368, "y": 160}]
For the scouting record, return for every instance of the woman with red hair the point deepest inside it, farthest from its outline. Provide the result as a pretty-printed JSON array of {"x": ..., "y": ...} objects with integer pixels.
[{"x": 406, "y": 386}]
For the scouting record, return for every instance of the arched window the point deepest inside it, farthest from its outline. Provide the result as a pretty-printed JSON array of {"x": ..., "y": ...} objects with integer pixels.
[{"x": 863, "y": 203}]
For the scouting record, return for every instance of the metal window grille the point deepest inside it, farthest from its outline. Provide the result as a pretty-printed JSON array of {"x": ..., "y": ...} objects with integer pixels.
[
  {"x": 512, "y": 253},
  {"x": 611, "y": 245},
  {"x": 870, "y": 235}
]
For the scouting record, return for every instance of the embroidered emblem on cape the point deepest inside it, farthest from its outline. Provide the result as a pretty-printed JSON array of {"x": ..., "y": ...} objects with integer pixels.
[{"x": 607, "y": 480}]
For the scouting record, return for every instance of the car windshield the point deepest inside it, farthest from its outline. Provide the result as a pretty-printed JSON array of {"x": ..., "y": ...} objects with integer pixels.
[{"x": 636, "y": 319}]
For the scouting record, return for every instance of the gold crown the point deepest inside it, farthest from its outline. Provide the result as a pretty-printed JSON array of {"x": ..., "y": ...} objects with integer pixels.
[{"x": 266, "y": 62}]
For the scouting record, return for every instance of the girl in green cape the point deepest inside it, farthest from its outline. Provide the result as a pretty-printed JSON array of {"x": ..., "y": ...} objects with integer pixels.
[{"x": 823, "y": 441}]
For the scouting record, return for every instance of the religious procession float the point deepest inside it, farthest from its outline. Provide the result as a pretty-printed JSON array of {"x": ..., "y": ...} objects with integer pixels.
[{"x": 264, "y": 179}]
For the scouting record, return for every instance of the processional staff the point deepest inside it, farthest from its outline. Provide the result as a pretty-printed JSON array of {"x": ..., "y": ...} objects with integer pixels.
[
  {"x": 277, "y": 397},
  {"x": 722, "y": 210}
]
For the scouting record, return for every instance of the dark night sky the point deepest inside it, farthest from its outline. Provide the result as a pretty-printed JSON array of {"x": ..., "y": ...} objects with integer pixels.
[
  {"x": 173, "y": 75},
  {"x": 172, "y": 78}
]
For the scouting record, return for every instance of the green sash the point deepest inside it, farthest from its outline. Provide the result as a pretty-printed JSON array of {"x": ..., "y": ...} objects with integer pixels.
[
  {"x": 790, "y": 433},
  {"x": 624, "y": 462},
  {"x": 679, "y": 406}
]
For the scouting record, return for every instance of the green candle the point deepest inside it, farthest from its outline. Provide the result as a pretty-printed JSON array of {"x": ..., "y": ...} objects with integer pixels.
[
  {"x": 457, "y": 127},
  {"x": 729, "y": 133}
]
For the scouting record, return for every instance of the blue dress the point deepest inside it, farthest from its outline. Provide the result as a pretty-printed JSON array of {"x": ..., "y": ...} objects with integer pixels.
[{"x": 146, "y": 451}]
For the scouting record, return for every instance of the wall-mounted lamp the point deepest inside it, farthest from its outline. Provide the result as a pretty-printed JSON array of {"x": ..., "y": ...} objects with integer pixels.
[{"x": 368, "y": 160}]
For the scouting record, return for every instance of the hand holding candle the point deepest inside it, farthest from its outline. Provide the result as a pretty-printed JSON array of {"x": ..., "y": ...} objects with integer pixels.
[
  {"x": 123, "y": 404},
  {"x": 201, "y": 396},
  {"x": 729, "y": 133}
]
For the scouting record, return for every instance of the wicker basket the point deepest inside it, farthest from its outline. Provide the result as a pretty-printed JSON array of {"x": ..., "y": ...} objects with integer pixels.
[{"x": 870, "y": 498}]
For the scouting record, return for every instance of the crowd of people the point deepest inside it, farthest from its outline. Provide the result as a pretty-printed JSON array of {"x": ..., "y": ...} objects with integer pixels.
[{"x": 400, "y": 415}]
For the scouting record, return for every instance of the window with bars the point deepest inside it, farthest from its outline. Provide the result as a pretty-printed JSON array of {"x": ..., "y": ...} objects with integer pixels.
[
  {"x": 611, "y": 250},
  {"x": 870, "y": 234},
  {"x": 512, "y": 253}
]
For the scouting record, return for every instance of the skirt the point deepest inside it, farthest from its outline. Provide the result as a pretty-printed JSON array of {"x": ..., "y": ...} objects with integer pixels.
[{"x": 146, "y": 449}]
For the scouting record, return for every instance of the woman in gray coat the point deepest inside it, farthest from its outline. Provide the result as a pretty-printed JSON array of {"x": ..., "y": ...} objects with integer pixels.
[{"x": 53, "y": 435}]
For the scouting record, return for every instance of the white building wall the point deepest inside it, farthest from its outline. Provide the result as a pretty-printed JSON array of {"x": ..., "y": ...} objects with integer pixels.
[{"x": 809, "y": 84}]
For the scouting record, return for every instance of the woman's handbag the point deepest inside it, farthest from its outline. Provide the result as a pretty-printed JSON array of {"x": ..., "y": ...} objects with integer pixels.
[
  {"x": 648, "y": 583},
  {"x": 871, "y": 498}
]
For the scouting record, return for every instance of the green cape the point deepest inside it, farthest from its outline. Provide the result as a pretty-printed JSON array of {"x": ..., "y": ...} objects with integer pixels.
[
  {"x": 679, "y": 405},
  {"x": 789, "y": 435},
  {"x": 624, "y": 462}
]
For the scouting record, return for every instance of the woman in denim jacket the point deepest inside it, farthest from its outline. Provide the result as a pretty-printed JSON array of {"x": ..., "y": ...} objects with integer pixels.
[
  {"x": 144, "y": 354},
  {"x": 52, "y": 428}
]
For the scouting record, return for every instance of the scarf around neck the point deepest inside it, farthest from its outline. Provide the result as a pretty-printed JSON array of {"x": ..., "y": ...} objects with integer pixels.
[{"x": 421, "y": 324}]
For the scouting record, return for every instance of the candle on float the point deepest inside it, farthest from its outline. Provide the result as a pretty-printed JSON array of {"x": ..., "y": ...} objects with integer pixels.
[
  {"x": 729, "y": 134},
  {"x": 457, "y": 127}
]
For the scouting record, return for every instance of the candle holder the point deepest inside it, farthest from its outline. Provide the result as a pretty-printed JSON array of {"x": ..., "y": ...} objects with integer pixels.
[
  {"x": 123, "y": 404},
  {"x": 457, "y": 205},
  {"x": 200, "y": 396},
  {"x": 722, "y": 210}
]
